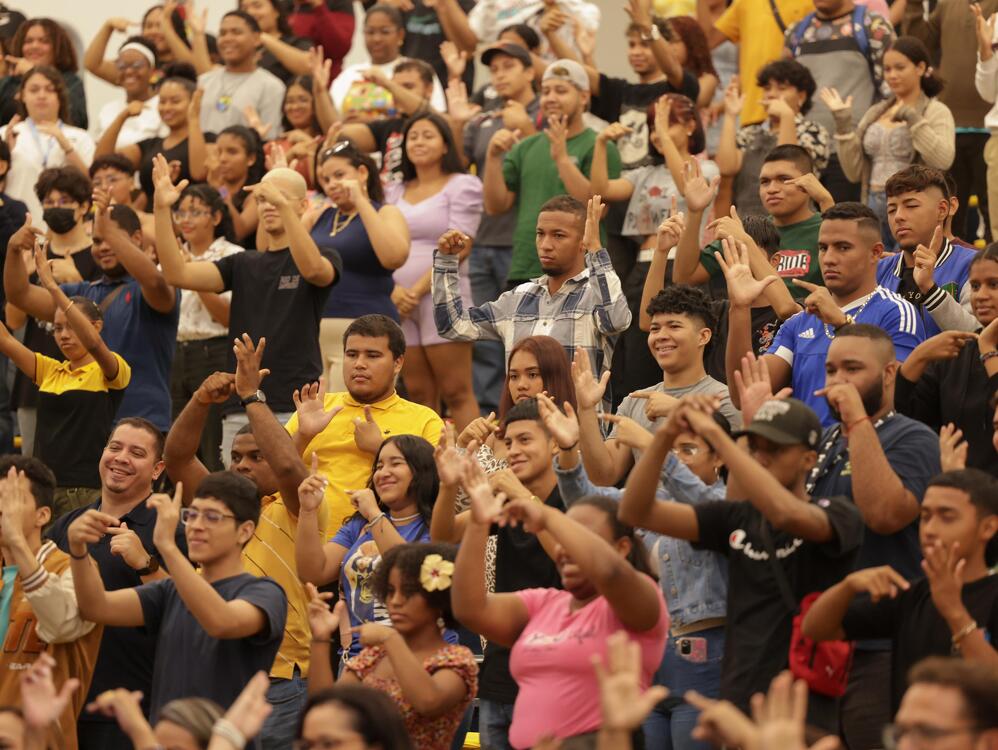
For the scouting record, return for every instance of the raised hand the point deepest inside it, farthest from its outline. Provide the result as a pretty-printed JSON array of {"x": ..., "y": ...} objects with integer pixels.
[
  {"x": 820, "y": 304},
  {"x": 454, "y": 242},
  {"x": 944, "y": 566},
  {"x": 450, "y": 463},
  {"x": 268, "y": 192},
  {"x": 120, "y": 24},
  {"x": 985, "y": 32},
  {"x": 366, "y": 434},
  {"x": 925, "y": 261},
  {"x": 322, "y": 621},
  {"x": 671, "y": 229},
  {"x": 562, "y": 426},
  {"x": 588, "y": 390},
  {"x": 640, "y": 12},
  {"x": 952, "y": 448},
  {"x": 942, "y": 346},
  {"x": 734, "y": 100},
  {"x": 455, "y": 59},
  {"x": 319, "y": 67},
  {"x": 310, "y": 405},
  {"x": 14, "y": 491},
  {"x": 458, "y": 105},
  {"x": 844, "y": 398},
  {"x": 624, "y": 705},
  {"x": 779, "y": 109},
  {"x": 41, "y": 703},
  {"x": 834, "y": 102},
  {"x": 125, "y": 707},
  {"x": 479, "y": 430},
  {"x": 629, "y": 432},
  {"x": 594, "y": 213},
  {"x": 754, "y": 386},
  {"x": 502, "y": 141},
  {"x": 527, "y": 513},
  {"x": 699, "y": 193},
  {"x": 250, "y": 710},
  {"x": 743, "y": 287},
  {"x": 43, "y": 267},
  {"x": 729, "y": 226},
  {"x": 485, "y": 505},
  {"x": 815, "y": 190},
  {"x": 217, "y": 388},
  {"x": 365, "y": 503},
  {"x": 557, "y": 133},
  {"x": 167, "y": 517},
  {"x": 781, "y": 715},
  {"x": 312, "y": 489},
  {"x": 987, "y": 340},
  {"x": 166, "y": 193},
  {"x": 254, "y": 121},
  {"x": 248, "y": 359},
  {"x": 613, "y": 132},
  {"x": 880, "y": 582},
  {"x": 515, "y": 116}
]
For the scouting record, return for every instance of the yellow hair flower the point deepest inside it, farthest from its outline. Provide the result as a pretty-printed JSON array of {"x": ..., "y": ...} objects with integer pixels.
[{"x": 435, "y": 573}]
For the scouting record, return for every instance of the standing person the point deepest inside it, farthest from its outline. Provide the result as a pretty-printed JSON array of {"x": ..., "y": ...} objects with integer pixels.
[
  {"x": 512, "y": 78},
  {"x": 132, "y": 460},
  {"x": 220, "y": 616},
  {"x": 986, "y": 83},
  {"x": 40, "y": 614},
  {"x": 578, "y": 277},
  {"x": 12, "y": 215},
  {"x": 140, "y": 308},
  {"x": 782, "y": 541},
  {"x": 133, "y": 72},
  {"x": 329, "y": 24},
  {"x": 39, "y": 136},
  {"x": 372, "y": 238},
  {"x": 842, "y": 43},
  {"x": 525, "y": 174},
  {"x": 910, "y": 127},
  {"x": 236, "y": 162},
  {"x": 282, "y": 54},
  {"x": 203, "y": 342},
  {"x": 277, "y": 294},
  {"x": 944, "y": 31},
  {"x": 240, "y": 82},
  {"x": 77, "y": 398},
  {"x": 42, "y": 42},
  {"x": 435, "y": 197}
]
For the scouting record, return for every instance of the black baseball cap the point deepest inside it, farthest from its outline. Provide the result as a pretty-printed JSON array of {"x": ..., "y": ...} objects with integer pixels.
[
  {"x": 507, "y": 48},
  {"x": 785, "y": 421}
]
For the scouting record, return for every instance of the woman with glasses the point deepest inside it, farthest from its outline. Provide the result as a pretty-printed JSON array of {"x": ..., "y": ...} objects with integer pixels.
[
  {"x": 435, "y": 197},
  {"x": 133, "y": 71},
  {"x": 203, "y": 342},
  {"x": 372, "y": 239},
  {"x": 430, "y": 680}
]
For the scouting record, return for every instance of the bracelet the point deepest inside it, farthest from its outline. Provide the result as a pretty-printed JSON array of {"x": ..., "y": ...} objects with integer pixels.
[
  {"x": 848, "y": 428},
  {"x": 228, "y": 732},
  {"x": 572, "y": 447},
  {"x": 985, "y": 356},
  {"x": 84, "y": 556},
  {"x": 373, "y": 521},
  {"x": 969, "y": 628},
  {"x": 71, "y": 303},
  {"x": 850, "y": 320}
]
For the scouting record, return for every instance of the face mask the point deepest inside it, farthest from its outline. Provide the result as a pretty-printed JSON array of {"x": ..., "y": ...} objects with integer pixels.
[{"x": 59, "y": 220}]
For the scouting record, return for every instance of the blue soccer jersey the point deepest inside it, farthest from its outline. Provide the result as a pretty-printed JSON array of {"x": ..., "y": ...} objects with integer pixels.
[{"x": 803, "y": 341}]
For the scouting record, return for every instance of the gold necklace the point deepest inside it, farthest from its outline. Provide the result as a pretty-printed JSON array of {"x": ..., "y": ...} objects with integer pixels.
[{"x": 339, "y": 227}]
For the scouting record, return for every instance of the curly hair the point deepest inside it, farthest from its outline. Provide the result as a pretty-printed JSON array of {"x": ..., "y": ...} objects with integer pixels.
[
  {"x": 408, "y": 558},
  {"x": 683, "y": 299},
  {"x": 792, "y": 73},
  {"x": 689, "y": 32},
  {"x": 63, "y": 54}
]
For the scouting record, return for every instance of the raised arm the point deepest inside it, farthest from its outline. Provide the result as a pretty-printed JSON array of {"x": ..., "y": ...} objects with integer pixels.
[
  {"x": 611, "y": 315},
  {"x": 605, "y": 462},
  {"x": 823, "y": 621},
  {"x": 576, "y": 183},
  {"x": 729, "y": 156},
  {"x": 386, "y": 228},
  {"x": 316, "y": 562},
  {"x": 497, "y": 196},
  {"x": 667, "y": 237},
  {"x": 93, "y": 57},
  {"x": 454, "y": 22},
  {"x": 640, "y": 12},
  {"x": 197, "y": 147},
  {"x": 699, "y": 194},
  {"x": 119, "y": 608},
  {"x": 107, "y": 144},
  {"x": 613, "y": 190},
  {"x": 445, "y": 524},
  {"x": 452, "y": 319},
  {"x": 198, "y": 275},
  {"x": 20, "y": 292},
  {"x": 294, "y": 59},
  {"x": 22, "y": 357},
  {"x": 325, "y": 110}
]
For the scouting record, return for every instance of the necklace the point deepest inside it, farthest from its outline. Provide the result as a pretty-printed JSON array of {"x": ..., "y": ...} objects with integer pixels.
[
  {"x": 830, "y": 333},
  {"x": 225, "y": 97},
  {"x": 340, "y": 226},
  {"x": 396, "y": 521}
]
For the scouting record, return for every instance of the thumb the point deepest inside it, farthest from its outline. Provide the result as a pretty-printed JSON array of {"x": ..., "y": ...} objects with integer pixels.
[
  {"x": 68, "y": 688},
  {"x": 123, "y": 526},
  {"x": 517, "y": 134},
  {"x": 767, "y": 280}
]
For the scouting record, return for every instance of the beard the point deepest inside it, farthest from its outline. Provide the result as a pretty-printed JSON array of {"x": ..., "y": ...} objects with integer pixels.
[{"x": 872, "y": 397}]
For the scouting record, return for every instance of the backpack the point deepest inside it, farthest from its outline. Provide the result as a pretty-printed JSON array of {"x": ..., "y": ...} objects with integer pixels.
[{"x": 859, "y": 14}]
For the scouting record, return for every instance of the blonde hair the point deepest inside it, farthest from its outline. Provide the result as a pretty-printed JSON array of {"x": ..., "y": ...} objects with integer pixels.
[{"x": 196, "y": 715}]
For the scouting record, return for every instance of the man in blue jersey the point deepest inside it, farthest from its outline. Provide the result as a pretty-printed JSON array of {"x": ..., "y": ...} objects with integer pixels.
[
  {"x": 931, "y": 271},
  {"x": 849, "y": 248}
]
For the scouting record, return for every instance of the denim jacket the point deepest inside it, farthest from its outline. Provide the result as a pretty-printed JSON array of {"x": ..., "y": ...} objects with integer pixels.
[{"x": 695, "y": 582}]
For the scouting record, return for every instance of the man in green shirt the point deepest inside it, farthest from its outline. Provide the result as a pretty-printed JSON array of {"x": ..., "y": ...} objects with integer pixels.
[
  {"x": 526, "y": 174},
  {"x": 787, "y": 186}
]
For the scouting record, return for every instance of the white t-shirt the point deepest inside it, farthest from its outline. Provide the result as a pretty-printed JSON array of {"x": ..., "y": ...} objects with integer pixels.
[
  {"x": 146, "y": 125},
  {"x": 489, "y": 17},
  {"x": 33, "y": 152},
  {"x": 196, "y": 323},
  {"x": 353, "y": 75}
]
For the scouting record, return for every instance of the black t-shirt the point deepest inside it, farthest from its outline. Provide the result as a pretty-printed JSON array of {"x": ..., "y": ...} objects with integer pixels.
[
  {"x": 387, "y": 134},
  {"x": 270, "y": 298},
  {"x": 272, "y": 65},
  {"x": 521, "y": 563},
  {"x": 126, "y": 655},
  {"x": 152, "y": 146},
  {"x": 765, "y": 324},
  {"x": 12, "y": 215},
  {"x": 757, "y": 634},
  {"x": 628, "y": 102},
  {"x": 915, "y": 627},
  {"x": 191, "y": 663},
  {"x": 424, "y": 35}
]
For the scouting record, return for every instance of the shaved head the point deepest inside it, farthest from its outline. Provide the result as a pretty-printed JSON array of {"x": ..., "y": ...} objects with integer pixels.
[{"x": 290, "y": 182}]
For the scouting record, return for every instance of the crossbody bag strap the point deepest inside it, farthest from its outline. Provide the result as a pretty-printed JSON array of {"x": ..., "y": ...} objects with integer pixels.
[
  {"x": 109, "y": 299},
  {"x": 777, "y": 17},
  {"x": 778, "y": 572}
]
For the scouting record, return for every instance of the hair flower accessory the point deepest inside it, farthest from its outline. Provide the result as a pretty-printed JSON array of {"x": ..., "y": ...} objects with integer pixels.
[{"x": 435, "y": 573}]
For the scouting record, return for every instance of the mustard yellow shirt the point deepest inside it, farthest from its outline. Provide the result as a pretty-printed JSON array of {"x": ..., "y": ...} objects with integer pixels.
[
  {"x": 751, "y": 25},
  {"x": 342, "y": 462},
  {"x": 271, "y": 552}
]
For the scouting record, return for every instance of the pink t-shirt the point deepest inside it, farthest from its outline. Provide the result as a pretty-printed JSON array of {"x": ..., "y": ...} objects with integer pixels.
[{"x": 550, "y": 662}]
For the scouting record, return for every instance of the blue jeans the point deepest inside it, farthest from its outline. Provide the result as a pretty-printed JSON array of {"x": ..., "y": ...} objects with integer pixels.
[
  {"x": 878, "y": 202},
  {"x": 494, "y": 720},
  {"x": 669, "y": 725},
  {"x": 287, "y": 698},
  {"x": 487, "y": 270}
]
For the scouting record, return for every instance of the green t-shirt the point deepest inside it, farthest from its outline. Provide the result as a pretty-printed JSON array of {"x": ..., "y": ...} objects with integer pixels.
[
  {"x": 530, "y": 173},
  {"x": 797, "y": 257}
]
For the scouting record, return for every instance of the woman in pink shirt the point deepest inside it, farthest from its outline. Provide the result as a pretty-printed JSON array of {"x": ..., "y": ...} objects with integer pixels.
[{"x": 554, "y": 633}]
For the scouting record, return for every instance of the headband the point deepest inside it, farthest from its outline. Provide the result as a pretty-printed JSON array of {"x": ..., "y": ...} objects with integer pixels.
[{"x": 141, "y": 49}]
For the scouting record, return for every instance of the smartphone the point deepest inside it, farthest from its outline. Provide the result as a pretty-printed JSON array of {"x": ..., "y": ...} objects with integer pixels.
[{"x": 692, "y": 649}]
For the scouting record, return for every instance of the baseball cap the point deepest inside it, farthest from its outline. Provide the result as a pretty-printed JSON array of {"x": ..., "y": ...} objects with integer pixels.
[
  {"x": 507, "y": 48},
  {"x": 785, "y": 421},
  {"x": 568, "y": 70}
]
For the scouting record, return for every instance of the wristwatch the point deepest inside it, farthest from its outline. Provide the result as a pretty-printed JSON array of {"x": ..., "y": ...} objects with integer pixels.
[
  {"x": 151, "y": 567},
  {"x": 253, "y": 398},
  {"x": 652, "y": 35}
]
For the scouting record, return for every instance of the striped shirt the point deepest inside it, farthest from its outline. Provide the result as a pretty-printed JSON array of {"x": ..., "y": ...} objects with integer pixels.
[
  {"x": 588, "y": 312},
  {"x": 803, "y": 341}
]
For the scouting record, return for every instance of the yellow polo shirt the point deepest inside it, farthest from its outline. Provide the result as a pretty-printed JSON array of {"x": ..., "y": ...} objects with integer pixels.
[
  {"x": 750, "y": 24},
  {"x": 271, "y": 553},
  {"x": 342, "y": 462}
]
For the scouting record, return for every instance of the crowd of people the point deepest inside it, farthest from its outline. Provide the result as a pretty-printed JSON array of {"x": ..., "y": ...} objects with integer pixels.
[{"x": 469, "y": 396}]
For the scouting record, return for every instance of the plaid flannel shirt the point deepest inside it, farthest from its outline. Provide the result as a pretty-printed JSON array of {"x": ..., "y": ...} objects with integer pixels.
[{"x": 588, "y": 312}]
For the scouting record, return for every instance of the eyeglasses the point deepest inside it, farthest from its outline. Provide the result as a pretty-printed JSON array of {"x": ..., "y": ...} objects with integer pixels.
[
  {"x": 687, "y": 450},
  {"x": 137, "y": 65},
  {"x": 181, "y": 215},
  {"x": 921, "y": 735},
  {"x": 211, "y": 517}
]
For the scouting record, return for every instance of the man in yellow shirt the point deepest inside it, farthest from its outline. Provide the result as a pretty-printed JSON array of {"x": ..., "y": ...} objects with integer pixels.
[
  {"x": 758, "y": 27},
  {"x": 345, "y": 429}
]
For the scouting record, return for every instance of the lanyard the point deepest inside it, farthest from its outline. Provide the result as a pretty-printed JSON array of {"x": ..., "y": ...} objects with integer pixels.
[
  {"x": 827, "y": 460},
  {"x": 38, "y": 142}
]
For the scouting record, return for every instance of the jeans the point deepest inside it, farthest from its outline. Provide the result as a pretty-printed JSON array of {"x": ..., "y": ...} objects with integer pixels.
[
  {"x": 494, "y": 720},
  {"x": 487, "y": 270},
  {"x": 970, "y": 174},
  {"x": 287, "y": 698},
  {"x": 669, "y": 725},
  {"x": 866, "y": 706},
  {"x": 192, "y": 363},
  {"x": 836, "y": 182},
  {"x": 233, "y": 423},
  {"x": 877, "y": 200}
]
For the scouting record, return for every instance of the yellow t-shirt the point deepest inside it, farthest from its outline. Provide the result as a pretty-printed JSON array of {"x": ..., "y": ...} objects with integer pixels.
[
  {"x": 271, "y": 553},
  {"x": 345, "y": 465},
  {"x": 669, "y": 8},
  {"x": 751, "y": 25}
]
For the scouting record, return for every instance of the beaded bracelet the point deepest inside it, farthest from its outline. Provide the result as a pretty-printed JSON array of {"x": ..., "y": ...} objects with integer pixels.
[{"x": 228, "y": 732}]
